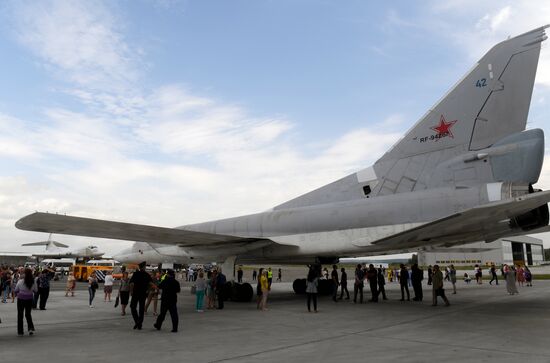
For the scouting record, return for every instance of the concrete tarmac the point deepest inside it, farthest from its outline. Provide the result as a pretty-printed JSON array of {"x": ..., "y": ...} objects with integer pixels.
[{"x": 483, "y": 323}]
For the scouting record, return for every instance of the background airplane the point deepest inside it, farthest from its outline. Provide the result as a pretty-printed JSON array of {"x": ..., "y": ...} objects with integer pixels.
[
  {"x": 464, "y": 172},
  {"x": 56, "y": 249}
]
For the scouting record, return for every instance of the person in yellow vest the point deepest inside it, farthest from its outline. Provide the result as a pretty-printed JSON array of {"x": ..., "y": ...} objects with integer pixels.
[
  {"x": 264, "y": 285},
  {"x": 269, "y": 277}
]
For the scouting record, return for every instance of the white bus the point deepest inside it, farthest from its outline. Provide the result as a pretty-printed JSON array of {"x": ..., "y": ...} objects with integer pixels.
[
  {"x": 111, "y": 263},
  {"x": 61, "y": 265}
]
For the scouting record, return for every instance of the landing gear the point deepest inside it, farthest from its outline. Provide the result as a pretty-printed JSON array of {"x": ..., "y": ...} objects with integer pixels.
[
  {"x": 325, "y": 287},
  {"x": 238, "y": 292},
  {"x": 299, "y": 286}
]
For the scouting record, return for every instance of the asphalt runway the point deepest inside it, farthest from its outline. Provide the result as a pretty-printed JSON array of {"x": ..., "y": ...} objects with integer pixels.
[{"x": 483, "y": 323}]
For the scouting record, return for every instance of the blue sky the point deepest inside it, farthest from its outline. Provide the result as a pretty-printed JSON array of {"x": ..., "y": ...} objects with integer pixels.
[{"x": 174, "y": 112}]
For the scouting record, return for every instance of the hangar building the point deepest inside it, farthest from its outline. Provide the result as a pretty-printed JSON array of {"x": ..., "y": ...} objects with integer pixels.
[{"x": 519, "y": 250}]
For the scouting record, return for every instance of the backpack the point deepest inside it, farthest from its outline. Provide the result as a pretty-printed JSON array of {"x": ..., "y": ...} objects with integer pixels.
[
  {"x": 43, "y": 282},
  {"x": 94, "y": 285}
]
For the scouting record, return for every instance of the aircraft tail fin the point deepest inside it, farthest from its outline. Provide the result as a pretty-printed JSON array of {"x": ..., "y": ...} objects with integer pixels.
[
  {"x": 488, "y": 104},
  {"x": 491, "y": 101},
  {"x": 486, "y": 107}
]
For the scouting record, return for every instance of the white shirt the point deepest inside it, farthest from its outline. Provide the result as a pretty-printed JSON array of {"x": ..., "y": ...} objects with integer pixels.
[{"x": 108, "y": 280}]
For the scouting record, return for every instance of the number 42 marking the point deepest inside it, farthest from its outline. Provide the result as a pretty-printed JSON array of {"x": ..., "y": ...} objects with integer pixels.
[{"x": 481, "y": 82}]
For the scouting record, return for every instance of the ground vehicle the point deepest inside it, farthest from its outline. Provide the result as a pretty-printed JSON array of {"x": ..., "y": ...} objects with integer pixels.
[
  {"x": 101, "y": 267},
  {"x": 30, "y": 265},
  {"x": 111, "y": 263},
  {"x": 60, "y": 265}
]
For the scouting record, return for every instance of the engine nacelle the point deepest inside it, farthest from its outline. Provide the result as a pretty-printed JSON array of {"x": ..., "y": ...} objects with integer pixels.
[{"x": 536, "y": 218}]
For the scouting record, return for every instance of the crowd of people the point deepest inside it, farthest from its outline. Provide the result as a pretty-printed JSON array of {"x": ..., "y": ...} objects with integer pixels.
[
  {"x": 405, "y": 277},
  {"x": 31, "y": 287},
  {"x": 376, "y": 279}
]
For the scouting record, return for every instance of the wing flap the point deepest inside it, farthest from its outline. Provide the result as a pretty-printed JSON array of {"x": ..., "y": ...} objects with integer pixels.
[
  {"x": 62, "y": 224},
  {"x": 478, "y": 221}
]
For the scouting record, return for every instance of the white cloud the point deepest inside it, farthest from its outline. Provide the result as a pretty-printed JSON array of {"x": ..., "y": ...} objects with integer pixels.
[
  {"x": 82, "y": 43},
  {"x": 493, "y": 22},
  {"x": 81, "y": 39},
  {"x": 393, "y": 121},
  {"x": 355, "y": 147},
  {"x": 178, "y": 122},
  {"x": 11, "y": 144}
]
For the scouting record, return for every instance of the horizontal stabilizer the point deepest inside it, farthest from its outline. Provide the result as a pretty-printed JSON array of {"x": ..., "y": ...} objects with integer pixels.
[
  {"x": 46, "y": 243},
  {"x": 458, "y": 228},
  {"x": 78, "y": 226}
]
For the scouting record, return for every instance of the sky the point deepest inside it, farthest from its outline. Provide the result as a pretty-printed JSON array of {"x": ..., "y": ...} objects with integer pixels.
[{"x": 173, "y": 112}]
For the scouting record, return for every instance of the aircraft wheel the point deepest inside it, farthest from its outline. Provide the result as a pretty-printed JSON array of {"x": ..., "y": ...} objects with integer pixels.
[
  {"x": 242, "y": 292},
  {"x": 325, "y": 287},
  {"x": 227, "y": 291},
  {"x": 299, "y": 286}
]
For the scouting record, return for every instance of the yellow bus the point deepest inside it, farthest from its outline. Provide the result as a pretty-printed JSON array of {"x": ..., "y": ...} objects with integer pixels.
[{"x": 101, "y": 267}]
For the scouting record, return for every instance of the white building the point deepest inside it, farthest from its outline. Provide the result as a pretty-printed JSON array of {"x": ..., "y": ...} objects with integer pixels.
[{"x": 519, "y": 250}]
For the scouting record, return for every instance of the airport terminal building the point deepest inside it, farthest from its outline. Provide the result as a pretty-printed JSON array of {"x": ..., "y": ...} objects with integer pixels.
[
  {"x": 13, "y": 260},
  {"x": 519, "y": 250}
]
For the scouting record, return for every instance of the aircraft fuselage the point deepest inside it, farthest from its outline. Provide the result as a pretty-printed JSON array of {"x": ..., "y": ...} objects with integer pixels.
[{"x": 346, "y": 229}]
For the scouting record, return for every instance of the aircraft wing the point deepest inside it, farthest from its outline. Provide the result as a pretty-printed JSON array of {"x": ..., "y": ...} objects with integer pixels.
[
  {"x": 78, "y": 226},
  {"x": 459, "y": 228},
  {"x": 15, "y": 254}
]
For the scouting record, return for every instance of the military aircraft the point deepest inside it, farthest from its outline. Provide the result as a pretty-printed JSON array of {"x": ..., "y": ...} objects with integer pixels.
[
  {"x": 464, "y": 172},
  {"x": 56, "y": 249}
]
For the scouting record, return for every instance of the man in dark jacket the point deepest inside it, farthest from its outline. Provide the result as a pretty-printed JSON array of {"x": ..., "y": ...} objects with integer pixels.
[
  {"x": 358, "y": 285},
  {"x": 404, "y": 283},
  {"x": 335, "y": 282},
  {"x": 417, "y": 275},
  {"x": 344, "y": 283},
  {"x": 139, "y": 283},
  {"x": 494, "y": 276},
  {"x": 170, "y": 288},
  {"x": 381, "y": 283},
  {"x": 240, "y": 275},
  {"x": 44, "y": 287},
  {"x": 220, "y": 285},
  {"x": 372, "y": 276}
]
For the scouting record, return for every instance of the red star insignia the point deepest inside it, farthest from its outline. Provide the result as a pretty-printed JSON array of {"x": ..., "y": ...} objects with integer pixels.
[{"x": 444, "y": 127}]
